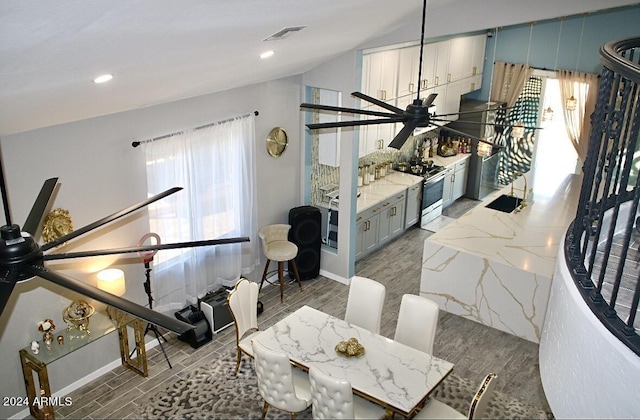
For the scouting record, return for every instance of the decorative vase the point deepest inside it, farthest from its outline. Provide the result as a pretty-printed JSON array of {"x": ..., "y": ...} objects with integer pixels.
[{"x": 47, "y": 337}]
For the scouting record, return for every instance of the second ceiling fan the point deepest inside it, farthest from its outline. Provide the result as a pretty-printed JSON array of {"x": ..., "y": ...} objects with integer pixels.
[{"x": 416, "y": 115}]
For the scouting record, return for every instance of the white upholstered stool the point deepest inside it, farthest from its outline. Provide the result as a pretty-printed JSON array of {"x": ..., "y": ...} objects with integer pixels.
[{"x": 277, "y": 247}]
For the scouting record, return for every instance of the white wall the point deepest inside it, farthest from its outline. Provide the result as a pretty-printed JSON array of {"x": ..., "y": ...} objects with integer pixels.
[
  {"x": 100, "y": 173},
  {"x": 586, "y": 372}
]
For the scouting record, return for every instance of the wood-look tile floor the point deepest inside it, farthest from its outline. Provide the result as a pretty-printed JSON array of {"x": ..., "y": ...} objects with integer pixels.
[{"x": 474, "y": 349}]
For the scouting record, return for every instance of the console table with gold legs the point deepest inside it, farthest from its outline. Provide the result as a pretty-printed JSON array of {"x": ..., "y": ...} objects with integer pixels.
[{"x": 34, "y": 366}]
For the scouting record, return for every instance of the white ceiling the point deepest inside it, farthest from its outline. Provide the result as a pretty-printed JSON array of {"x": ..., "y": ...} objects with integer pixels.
[{"x": 164, "y": 50}]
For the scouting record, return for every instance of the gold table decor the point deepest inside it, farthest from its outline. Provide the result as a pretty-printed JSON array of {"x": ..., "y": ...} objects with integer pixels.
[
  {"x": 350, "y": 348},
  {"x": 77, "y": 315}
]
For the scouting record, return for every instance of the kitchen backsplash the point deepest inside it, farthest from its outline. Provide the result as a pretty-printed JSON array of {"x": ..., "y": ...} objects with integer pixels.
[{"x": 322, "y": 175}]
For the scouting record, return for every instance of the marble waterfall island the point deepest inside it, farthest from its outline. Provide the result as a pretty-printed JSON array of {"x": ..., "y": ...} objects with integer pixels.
[{"x": 496, "y": 268}]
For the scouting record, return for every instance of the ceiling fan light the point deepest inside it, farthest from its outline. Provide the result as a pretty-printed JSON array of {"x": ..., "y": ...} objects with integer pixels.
[
  {"x": 547, "y": 115},
  {"x": 103, "y": 78},
  {"x": 571, "y": 103},
  {"x": 267, "y": 54}
]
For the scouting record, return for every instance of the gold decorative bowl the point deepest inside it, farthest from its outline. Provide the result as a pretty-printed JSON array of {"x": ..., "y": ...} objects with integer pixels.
[
  {"x": 350, "y": 348},
  {"x": 77, "y": 315}
]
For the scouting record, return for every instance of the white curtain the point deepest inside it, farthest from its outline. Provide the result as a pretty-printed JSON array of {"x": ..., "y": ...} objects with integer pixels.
[
  {"x": 508, "y": 81},
  {"x": 215, "y": 166},
  {"x": 584, "y": 88}
]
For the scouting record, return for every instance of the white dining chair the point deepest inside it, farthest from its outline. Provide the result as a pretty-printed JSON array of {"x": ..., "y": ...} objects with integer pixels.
[
  {"x": 417, "y": 322},
  {"x": 332, "y": 398},
  {"x": 280, "y": 385},
  {"x": 243, "y": 305},
  {"x": 435, "y": 409},
  {"x": 364, "y": 303}
]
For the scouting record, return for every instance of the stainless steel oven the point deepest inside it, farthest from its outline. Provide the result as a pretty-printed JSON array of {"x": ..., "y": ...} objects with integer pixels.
[{"x": 432, "y": 192}]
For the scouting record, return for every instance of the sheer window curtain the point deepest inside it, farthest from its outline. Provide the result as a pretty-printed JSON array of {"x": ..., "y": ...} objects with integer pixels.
[
  {"x": 508, "y": 81},
  {"x": 584, "y": 88},
  {"x": 215, "y": 166}
]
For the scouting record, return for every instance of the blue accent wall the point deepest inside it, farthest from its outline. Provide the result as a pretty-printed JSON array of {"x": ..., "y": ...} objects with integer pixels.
[{"x": 511, "y": 44}]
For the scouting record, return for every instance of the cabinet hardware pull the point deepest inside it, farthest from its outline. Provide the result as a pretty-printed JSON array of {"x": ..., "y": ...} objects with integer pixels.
[
  {"x": 475, "y": 69},
  {"x": 449, "y": 77},
  {"x": 437, "y": 80},
  {"x": 473, "y": 86},
  {"x": 411, "y": 87},
  {"x": 358, "y": 219},
  {"x": 386, "y": 204}
]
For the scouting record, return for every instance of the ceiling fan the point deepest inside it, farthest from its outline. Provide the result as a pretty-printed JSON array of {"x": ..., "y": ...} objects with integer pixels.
[
  {"x": 22, "y": 258},
  {"x": 416, "y": 115}
]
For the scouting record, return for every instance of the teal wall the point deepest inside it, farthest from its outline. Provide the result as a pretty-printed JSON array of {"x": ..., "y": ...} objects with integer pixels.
[{"x": 511, "y": 43}]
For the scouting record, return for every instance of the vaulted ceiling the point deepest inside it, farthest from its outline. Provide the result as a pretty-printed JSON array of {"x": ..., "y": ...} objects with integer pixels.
[{"x": 164, "y": 50}]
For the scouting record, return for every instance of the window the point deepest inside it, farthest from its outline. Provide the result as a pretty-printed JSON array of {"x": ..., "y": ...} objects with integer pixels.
[{"x": 214, "y": 165}]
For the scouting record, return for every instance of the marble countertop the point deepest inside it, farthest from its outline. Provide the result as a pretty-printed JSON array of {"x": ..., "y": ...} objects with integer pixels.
[
  {"x": 396, "y": 375},
  {"x": 380, "y": 190},
  {"x": 449, "y": 160},
  {"x": 527, "y": 240}
]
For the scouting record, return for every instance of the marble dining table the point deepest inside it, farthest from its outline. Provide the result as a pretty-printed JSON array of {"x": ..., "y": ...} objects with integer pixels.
[{"x": 396, "y": 376}]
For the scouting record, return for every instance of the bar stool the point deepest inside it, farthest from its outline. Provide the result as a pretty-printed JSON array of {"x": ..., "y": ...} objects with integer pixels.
[{"x": 276, "y": 247}]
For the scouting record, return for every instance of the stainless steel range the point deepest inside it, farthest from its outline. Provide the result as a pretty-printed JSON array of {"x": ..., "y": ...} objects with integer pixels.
[{"x": 432, "y": 191}]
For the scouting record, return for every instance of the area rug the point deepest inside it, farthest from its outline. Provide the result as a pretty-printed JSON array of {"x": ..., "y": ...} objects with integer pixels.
[{"x": 214, "y": 392}]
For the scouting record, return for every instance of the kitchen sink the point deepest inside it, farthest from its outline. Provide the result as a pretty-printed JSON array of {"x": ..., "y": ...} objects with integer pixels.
[{"x": 505, "y": 203}]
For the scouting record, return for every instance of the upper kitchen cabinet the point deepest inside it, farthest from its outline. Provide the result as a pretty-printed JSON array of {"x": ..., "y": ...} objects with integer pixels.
[
  {"x": 380, "y": 75},
  {"x": 466, "y": 57},
  {"x": 408, "y": 68},
  {"x": 328, "y": 138}
]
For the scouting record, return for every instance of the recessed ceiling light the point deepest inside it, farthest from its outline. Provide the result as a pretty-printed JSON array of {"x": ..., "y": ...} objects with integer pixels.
[
  {"x": 267, "y": 54},
  {"x": 103, "y": 78}
]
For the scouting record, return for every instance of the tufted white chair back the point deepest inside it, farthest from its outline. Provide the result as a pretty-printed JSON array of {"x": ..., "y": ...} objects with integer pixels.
[
  {"x": 331, "y": 398},
  {"x": 243, "y": 304},
  {"x": 364, "y": 304},
  {"x": 481, "y": 400},
  {"x": 276, "y": 381},
  {"x": 276, "y": 244},
  {"x": 417, "y": 322}
]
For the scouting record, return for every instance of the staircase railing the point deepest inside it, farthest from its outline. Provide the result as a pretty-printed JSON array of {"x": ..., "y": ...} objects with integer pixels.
[{"x": 602, "y": 242}]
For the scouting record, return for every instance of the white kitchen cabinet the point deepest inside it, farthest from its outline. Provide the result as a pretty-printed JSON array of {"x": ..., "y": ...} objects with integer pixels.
[
  {"x": 413, "y": 206},
  {"x": 466, "y": 57},
  {"x": 391, "y": 217},
  {"x": 408, "y": 67},
  {"x": 380, "y": 74},
  {"x": 367, "y": 226},
  {"x": 455, "y": 181},
  {"x": 442, "y": 74},
  {"x": 329, "y": 138},
  {"x": 479, "y": 47}
]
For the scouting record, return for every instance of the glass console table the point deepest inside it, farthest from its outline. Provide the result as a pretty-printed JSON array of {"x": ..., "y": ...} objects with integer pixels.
[{"x": 34, "y": 366}]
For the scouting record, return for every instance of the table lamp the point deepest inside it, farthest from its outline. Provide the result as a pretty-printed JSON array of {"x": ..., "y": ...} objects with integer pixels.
[{"x": 112, "y": 280}]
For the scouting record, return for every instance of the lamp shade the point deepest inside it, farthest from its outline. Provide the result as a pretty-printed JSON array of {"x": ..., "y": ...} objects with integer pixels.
[{"x": 112, "y": 280}]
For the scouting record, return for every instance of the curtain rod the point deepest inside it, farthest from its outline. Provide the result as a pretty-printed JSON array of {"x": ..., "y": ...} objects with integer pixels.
[{"x": 138, "y": 143}]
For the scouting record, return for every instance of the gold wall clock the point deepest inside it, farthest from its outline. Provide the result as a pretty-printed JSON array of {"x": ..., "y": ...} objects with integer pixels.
[
  {"x": 277, "y": 141},
  {"x": 57, "y": 224}
]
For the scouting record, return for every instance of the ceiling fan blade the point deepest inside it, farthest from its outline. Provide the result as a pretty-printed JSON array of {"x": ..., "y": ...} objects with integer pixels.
[
  {"x": 403, "y": 135},
  {"x": 347, "y": 110},
  {"x": 338, "y": 124},
  {"x": 378, "y": 102},
  {"x": 39, "y": 206},
  {"x": 6, "y": 287},
  {"x": 108, "y": 219},
  {"x": 157, "y": 247},
  {"x": 125, "y": 305},
  {"x": 429, "y": 100}
]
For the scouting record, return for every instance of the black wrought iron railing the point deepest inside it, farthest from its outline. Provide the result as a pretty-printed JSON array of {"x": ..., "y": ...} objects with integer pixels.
[{"x": 602, "y": 243}]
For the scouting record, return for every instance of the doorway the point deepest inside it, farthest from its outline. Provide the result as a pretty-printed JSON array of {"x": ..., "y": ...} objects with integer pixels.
[{"x": 554, "y": 156}]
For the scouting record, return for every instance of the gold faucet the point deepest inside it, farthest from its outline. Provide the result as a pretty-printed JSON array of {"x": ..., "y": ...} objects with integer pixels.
[{"x": 523, "y": 204}]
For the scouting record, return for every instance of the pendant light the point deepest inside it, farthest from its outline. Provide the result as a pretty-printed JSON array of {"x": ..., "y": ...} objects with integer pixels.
[
  {"x": 547, "y": 115},
  {"x": 572, "y": 102}
]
